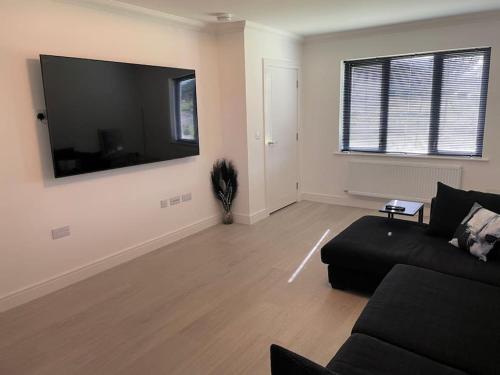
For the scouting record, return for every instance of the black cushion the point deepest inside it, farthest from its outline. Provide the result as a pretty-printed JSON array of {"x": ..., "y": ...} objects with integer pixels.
[
  {"x": 449, "y": 209},
  {"x": 366, "y": 355},
  {"x": 365, "y": 246},
  {"x": 487, "y": 200},
  {"x": 452, "y": 205},
  {"x": 285, "y": 362},
  {"x": 444, "y": 318}
]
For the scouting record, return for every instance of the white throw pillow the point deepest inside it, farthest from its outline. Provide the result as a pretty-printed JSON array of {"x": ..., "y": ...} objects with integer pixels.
[{"x": 478, "y": 232}]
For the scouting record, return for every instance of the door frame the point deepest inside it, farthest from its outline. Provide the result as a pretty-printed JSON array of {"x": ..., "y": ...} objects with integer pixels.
[{"x": 283, "y": 64}]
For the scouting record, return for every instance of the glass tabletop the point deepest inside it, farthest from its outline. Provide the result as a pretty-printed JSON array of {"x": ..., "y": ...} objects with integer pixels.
[{"x": 410, "y": 208}]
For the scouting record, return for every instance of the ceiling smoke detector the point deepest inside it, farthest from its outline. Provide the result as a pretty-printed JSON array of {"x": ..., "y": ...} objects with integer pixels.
[{"x": 224, "y": 17}]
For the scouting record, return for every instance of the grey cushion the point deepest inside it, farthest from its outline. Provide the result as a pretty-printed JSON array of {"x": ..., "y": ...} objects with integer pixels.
[{"x": 478, "y": 232}]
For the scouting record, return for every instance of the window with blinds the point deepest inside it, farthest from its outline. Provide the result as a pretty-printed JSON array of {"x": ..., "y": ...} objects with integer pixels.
[{"x": 429, "y": 103}]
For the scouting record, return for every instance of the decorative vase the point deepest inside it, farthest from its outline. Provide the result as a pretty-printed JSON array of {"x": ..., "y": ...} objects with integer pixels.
[
  {"x": 228, "y": 217},
  {"x": 224, "y": 179}
]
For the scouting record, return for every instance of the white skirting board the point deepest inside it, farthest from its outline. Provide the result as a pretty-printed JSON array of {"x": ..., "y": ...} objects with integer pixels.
[
  {"x": 342, "y": 201},
  {"x": 250, "y": 219},
  {"x": 367, "y": 203},
  {"x": 65, "y": 279}
]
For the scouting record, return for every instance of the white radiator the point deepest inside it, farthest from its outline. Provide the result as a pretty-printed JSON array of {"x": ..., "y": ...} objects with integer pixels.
[{"x": 400, "y": 180}]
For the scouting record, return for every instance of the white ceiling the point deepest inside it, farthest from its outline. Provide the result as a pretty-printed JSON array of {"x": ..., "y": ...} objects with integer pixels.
[{"x": 307, "y": 17}]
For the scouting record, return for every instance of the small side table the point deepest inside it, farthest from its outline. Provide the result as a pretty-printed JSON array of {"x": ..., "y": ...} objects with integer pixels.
[{"x": 411, "y": 208}]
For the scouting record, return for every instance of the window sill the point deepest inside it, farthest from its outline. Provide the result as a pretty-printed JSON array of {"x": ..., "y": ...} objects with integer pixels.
[{"x": 408, "y": 156}]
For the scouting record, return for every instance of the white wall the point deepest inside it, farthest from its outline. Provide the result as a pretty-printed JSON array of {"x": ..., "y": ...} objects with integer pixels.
[
  {"x": 260, "y": 44},
  {"x": 108, "y": 212},
  {"x": 242, "y": 48},
  {"x": 323, "y": 172},
  {"x": 231, "y": 49},
  {"x": 115, "y": 215}
]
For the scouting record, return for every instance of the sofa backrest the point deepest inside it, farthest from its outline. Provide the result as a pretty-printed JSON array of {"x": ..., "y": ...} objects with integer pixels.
[
  {"x": 487, "y": 200},
  {"x": 451, "y": 206},
  {"x": 433, "y": 202}
]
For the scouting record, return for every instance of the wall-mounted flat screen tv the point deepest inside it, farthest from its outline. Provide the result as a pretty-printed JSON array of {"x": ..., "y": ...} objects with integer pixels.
[{"x": 103, "y": 115}]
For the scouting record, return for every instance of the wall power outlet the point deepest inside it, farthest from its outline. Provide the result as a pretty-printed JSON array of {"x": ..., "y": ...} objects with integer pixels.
[
  {"x": 175, "y": 200},
  {"x": 61, "y": 232}
]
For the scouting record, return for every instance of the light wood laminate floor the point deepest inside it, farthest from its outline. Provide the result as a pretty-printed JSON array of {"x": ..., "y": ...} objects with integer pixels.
[{"x": 209, "y": 304}]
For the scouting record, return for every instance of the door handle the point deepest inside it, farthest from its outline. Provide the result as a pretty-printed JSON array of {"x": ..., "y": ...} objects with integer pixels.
[{"x": 271, "y": 142}]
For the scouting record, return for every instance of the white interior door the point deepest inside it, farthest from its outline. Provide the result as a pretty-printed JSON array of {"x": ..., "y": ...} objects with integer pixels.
[{"x": 281, "y": 126}]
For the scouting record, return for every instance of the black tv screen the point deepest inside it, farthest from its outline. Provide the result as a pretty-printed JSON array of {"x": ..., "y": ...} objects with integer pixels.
[{"x": 103, "y": 115}]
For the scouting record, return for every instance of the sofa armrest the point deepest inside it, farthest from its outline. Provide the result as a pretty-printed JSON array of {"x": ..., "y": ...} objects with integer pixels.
[{"x": 285, "y": 362}]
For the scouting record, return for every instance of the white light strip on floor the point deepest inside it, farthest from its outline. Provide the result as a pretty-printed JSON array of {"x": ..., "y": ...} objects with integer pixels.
[{"x": 306, "y": 259}]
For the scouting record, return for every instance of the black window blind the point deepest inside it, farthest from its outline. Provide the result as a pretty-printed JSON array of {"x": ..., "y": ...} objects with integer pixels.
[{"x": 429, "y": 103}]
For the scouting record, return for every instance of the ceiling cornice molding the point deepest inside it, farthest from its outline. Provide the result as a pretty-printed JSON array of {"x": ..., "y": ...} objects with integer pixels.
[
  {"x": 119, "y": 7},
  {"x": 220, "y": 28},
  {"x": 240, "y": 26},
  {"x": 411, "y": 25},
  {"x": 286, "y": 34}
]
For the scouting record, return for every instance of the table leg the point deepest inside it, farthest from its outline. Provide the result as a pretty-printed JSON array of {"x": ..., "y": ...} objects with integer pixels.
[{"x": 421, "y": 215}]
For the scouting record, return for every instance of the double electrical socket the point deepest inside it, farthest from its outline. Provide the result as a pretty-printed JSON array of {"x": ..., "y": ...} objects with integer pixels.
[
  {"x": 175, "y": 200},
  {"x": 65, "y": 231},
  {"x": 61, "y": 232}
]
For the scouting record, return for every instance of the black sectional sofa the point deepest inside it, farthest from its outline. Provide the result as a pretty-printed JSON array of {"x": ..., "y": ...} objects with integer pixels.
[
  {"x": 435, "y": 308},
  {"x": 361, "y": 256}
]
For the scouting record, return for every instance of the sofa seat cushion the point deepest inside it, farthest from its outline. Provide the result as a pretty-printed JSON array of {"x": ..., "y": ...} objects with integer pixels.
[
  {"x": 442, "y": 257},
  {"x": 448, "y": 319},
  {"x": 366, "y": 355},
  {"x": 366, "y": 246}
]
